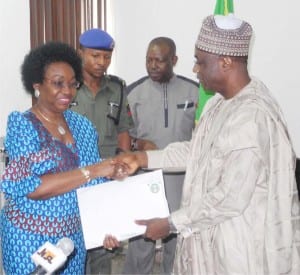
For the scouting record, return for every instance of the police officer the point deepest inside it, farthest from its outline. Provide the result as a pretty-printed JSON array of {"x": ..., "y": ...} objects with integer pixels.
[
  {"x": 102, "y": 100},
  {"x": 101, "y": 97}
]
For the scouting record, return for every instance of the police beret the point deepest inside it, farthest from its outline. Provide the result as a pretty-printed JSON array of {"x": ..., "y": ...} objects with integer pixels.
[{"x": 97, "y": 39}]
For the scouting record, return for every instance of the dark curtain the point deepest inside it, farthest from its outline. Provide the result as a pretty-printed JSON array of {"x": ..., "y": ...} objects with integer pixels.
[{"x": 64, "y": 20}]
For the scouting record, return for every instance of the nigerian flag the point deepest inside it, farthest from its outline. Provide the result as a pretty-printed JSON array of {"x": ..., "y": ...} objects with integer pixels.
[{"x": 223, "y": 7}]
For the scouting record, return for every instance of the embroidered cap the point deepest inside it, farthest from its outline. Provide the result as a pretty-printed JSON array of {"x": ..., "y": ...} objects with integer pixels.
[
  {"x": 224, "y": 35},
  {"x": 97, "y": 39}
]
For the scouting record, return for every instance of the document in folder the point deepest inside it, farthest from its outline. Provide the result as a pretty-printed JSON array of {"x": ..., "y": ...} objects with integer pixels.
[{"x": 112, "y": 207}]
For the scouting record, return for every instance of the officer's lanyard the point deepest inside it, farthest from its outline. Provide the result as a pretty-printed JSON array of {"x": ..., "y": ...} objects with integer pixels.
[{"x": 165, "y": 88}]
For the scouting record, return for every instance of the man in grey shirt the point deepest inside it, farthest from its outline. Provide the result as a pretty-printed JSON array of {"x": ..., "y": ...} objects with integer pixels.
[{"x": 162, "y": 105}]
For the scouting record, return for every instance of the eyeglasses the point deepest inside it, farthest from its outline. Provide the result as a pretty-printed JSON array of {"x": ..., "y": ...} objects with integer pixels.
[{"x": 60, "y": 84}]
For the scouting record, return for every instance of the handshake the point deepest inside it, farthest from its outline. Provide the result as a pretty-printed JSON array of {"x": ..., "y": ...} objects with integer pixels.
[{"x": 125, "y": 164}]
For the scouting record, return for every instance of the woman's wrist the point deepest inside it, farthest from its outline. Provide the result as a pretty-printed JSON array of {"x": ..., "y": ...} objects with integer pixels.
[{"x": 86, "y": 173}]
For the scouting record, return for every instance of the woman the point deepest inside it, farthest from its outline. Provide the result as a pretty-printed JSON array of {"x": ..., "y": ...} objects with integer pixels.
[{"x": 52, "y": 152}]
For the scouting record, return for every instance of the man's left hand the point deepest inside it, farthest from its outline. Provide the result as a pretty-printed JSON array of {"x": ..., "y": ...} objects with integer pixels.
[{"x": 157, "y": 228}]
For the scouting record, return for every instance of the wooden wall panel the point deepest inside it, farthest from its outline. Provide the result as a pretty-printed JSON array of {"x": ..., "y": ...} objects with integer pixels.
[{"x": 64, "y": 20}]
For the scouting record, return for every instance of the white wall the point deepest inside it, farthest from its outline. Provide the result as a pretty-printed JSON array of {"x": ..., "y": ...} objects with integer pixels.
[
  {"x": 15, "y": 42},
  {"x": 274, "y": 57}
]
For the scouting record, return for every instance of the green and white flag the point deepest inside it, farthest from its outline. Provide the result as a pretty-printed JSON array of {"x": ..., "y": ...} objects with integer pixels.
[{"x": 223, "y": 7}]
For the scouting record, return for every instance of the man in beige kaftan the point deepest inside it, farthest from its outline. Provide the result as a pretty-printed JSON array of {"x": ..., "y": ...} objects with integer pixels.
[{"x": 240, "y": 211}]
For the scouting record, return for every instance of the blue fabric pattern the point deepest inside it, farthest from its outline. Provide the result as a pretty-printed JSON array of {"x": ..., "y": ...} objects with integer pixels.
[{"x": 27, "y": 224}]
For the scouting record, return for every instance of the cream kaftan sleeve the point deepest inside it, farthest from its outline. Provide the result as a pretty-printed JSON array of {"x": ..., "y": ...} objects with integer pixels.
[
  {"x": 235, "y": 168},
  {"x": 174, "y": 155}
]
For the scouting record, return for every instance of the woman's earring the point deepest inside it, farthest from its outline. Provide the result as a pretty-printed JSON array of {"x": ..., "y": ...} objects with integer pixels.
[{"x": 36, "y": 93}]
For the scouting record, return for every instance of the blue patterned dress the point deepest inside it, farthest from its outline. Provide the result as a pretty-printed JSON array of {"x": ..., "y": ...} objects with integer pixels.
[{"x": 27, "y": 224}]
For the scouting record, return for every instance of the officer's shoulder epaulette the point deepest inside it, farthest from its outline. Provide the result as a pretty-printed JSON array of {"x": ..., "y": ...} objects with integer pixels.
[
  {"x": 188, "y": 80},
  {"x": 117, "y": 79},
  {"x": 136, "y": 83}
]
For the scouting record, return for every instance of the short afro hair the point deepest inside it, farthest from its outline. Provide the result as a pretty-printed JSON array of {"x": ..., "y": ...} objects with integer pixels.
[
  {"x": 164, "y": 41},
  {"x": 38, "y": 59}
]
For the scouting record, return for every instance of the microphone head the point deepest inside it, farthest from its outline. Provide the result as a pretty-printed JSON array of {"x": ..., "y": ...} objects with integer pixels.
[{"x": 66, "y": 245}]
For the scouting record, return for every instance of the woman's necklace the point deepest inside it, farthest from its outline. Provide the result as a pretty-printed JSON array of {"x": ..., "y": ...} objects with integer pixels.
[{"x": 60, "y": 128}]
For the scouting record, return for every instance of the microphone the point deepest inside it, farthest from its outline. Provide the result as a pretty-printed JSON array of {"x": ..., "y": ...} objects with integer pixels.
[{"x": 48, "y": 258}]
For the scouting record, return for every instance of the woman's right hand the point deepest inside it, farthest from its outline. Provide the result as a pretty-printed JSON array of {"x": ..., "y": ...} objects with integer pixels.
[{"x": 113, "y": 169}]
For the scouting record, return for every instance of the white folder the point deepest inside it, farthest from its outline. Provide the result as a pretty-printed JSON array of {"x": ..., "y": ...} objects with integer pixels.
[{"x": 112, "y": 207}]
